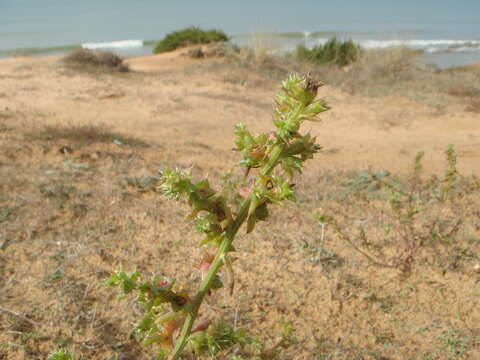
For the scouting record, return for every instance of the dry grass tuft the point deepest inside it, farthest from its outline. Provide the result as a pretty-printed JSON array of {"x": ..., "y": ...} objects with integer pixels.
[
  {"x": 94, "y": 60},
  {"x": 82, "y": 135},
  {"x": 373, "y": 68},
  {"x": 465, "y": 85},
  {"x": 260, "y": 52},
  {"x": 474, "y": 105},
  {"x": 462, "y": 89},
  {"x": 376, "y": 72},
  {"x": 215, "y": 50},
  {"x": 394, "y": 64}
]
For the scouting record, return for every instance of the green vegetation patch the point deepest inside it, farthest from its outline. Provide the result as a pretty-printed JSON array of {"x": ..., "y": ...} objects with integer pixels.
[
  {"x": 188, "y": 36},
  {"x": 338, "y": 52}
]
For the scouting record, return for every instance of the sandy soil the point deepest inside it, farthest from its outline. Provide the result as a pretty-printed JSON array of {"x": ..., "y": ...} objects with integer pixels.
[
  {"x": 65, "y": 226},
  {"x": 174, "y": 100}
]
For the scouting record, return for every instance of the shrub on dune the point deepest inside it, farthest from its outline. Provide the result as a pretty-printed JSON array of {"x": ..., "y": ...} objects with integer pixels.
[
  {"x": 189, "y": 36},
  {"x": 334, "y": 51},
  {"x": 87, "y": 59}
]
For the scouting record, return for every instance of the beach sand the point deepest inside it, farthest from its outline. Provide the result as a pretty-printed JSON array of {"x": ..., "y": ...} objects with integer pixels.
[
  {"x": 71, "y": 212},
  {"x": 174, "y": 101}
]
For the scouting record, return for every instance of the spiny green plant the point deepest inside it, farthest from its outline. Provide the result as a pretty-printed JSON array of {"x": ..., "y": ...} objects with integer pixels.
[
  {"x": 455, "y": 342},
  {"x": 334, "y": 51},
  {"x": 189, "y": 36},
  {"x": 271, "y": 159},
  {"x": 217, "y": 337},
  {"x": 221, "y": 336},
  {"x": 61, "y": 355}
]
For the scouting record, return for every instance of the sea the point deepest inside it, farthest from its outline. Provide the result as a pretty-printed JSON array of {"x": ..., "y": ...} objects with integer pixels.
[{"x": 447, "y": 32}]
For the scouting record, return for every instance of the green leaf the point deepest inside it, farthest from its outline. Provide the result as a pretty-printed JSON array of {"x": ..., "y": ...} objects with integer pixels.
[
  {"x": 261, "y": 213},
  {"x": 217, "y": 283},
  {"x": 176, "y": 184},
  {"x": 251, "y": 220},
  {"x": 60, "y": 355}
]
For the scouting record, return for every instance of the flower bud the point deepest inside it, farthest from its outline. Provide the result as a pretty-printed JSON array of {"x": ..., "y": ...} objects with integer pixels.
[
  {"x": 202, "y": 326},
  {"x": 205, "y": 263},
  {"x": 162, "y": 284},
  {"x": 244, "y": 191}
]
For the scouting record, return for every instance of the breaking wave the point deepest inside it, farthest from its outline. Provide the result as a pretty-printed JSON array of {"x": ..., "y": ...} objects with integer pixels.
[
  {"x": 122, "y": 44},
  {"x": 430, "y": 46}
]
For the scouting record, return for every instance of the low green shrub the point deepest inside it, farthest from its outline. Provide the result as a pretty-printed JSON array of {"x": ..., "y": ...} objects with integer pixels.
[
  {"x": 416, "y": 219},
  {"x": 334, "y": 51},
  {"x": 188, "y": 36}
]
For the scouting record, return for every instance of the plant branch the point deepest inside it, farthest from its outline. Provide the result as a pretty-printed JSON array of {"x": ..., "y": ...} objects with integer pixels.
[
  {"x": 18, "y": 315},
  {"x": 217, "y": 262},
  {"x": 285, "y": 147}
]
